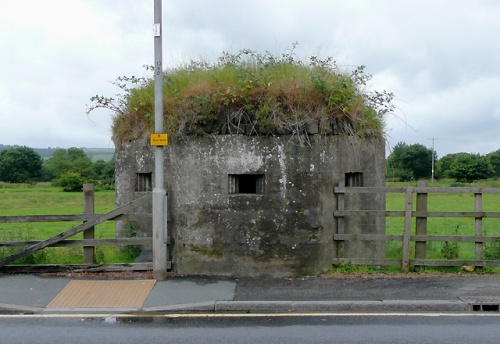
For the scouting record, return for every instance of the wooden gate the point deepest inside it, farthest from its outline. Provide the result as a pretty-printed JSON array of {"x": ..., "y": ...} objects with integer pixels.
[{"x": 89, "y": 242}]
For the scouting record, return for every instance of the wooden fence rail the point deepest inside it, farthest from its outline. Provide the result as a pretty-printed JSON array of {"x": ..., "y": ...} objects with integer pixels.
[
  {"x": 420, "y": 238},
  {"x": 87, "y": 227}
]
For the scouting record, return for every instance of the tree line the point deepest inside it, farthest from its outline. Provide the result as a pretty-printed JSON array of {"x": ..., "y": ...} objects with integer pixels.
[
  {"x": 414, "y": 162},
  {"x": 71, "y": 168},
  {"x": 68, "y": 168}
]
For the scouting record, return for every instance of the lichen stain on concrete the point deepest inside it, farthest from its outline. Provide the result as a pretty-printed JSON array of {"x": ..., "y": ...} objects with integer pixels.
[
  {"x": 283, "y": 179},
  {"x": 286, "y": 230}
]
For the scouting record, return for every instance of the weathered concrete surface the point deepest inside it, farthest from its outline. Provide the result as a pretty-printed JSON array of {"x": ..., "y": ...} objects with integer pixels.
[{"x": 285, "y": 230}]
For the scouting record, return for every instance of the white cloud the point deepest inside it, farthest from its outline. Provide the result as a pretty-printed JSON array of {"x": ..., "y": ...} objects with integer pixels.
[{"x": 440, "y": 58}]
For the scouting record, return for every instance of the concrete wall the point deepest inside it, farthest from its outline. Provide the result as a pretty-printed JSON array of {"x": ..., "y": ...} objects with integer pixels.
[{"x": 285, "y": 230}]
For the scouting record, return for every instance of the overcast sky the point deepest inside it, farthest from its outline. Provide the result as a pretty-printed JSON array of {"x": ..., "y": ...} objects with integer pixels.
[{"x": 440, "y": 58}]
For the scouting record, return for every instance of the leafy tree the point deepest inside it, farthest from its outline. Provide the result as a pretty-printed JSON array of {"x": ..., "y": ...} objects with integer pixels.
[
  {"x": 470, "y": 167},
  {"x": 419, "y": 160},
  {"x": 20, "y": 165},
  {"x": 75, "y": 154},
  {"x": 408, "y": 162},
  {"x": 70, "y": 182},
  {"x": 72, "y": 160},
  {"x": 99, "y": 167},
  {"x": 395, "y": 166},
  {"x": 58, "y": 164},
  {"x": 494, "y": 158},
  {"x": 47, "y": 173},
  {"x": 70, "y": 167},
  {"x": 444, "y": 164},
  {"x": 105, "y": 172}
]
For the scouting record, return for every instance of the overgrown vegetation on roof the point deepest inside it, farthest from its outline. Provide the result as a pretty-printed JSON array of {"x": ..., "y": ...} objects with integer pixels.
[{"x": 251, "y": 94}]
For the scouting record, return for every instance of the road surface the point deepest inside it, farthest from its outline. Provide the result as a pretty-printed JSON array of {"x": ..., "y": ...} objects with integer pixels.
[{"x": 482, "y": 328}]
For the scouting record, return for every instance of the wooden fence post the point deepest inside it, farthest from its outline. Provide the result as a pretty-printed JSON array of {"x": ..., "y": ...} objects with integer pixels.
[
  {"x": 88, "y": 209},
  {"x": 478, "y": 206},
  {"x": 421, "y": 225},
  {"x": 405, "y": 250}
]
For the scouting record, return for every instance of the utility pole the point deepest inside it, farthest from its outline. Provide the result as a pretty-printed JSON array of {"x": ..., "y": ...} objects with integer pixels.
[
  {"x": 432, "y": 175},
  {"x": 159, "y": 193}
]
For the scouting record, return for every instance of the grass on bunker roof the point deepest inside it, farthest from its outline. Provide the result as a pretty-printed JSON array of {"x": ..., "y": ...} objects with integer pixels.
[{"x": 252, "y": 94}]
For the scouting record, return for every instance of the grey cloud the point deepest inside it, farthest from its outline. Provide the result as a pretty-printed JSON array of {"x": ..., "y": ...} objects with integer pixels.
[{"x": 440, "y": 58}]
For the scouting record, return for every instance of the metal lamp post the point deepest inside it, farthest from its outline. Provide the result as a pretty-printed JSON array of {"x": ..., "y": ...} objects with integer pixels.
[{"x": 159, "y": 193}]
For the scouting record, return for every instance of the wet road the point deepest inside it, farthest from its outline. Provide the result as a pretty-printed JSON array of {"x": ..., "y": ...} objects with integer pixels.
[{"x": 262, "y": 329}]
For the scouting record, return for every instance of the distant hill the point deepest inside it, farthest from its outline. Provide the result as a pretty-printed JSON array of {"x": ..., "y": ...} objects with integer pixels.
[{"x": 94, "y": 154}]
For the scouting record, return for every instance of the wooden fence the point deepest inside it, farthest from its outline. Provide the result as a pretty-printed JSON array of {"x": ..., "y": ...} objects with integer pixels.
[
  {"x": 90, "y": 220},
  {"x": 419, "y": 236}
]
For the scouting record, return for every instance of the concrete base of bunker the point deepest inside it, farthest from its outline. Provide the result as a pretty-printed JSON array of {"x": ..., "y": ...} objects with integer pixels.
[{"x": 257, "y": 205}]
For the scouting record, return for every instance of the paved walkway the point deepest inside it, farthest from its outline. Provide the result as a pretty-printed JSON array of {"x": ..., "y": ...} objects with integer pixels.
[{"x": 27, "y": 294}]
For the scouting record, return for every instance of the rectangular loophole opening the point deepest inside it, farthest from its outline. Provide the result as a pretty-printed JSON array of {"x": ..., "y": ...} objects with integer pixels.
[
  {"x": 143, "y": 182},
  {"x": 246, "y": 184},
  {"x": 354, "y": 179},
  {"x": 485, "y": 308}
]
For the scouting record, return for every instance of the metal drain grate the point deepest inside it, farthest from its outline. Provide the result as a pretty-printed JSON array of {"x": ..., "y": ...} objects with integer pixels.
[{"x": 483, "y": 303}]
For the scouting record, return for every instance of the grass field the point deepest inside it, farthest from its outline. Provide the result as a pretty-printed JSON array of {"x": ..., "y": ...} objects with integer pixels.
[
  {"x": 44, "y": 199},
  {"x": 448, "y": 226},
  {"x": 445, "y": 226}
]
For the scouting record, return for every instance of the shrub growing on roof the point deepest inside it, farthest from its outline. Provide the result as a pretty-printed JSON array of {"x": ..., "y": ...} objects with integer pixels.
[{"x": 252, "y": 94}]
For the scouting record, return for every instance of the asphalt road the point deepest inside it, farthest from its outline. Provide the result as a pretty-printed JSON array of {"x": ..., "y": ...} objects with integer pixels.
[{"x": 263, "y": 329}]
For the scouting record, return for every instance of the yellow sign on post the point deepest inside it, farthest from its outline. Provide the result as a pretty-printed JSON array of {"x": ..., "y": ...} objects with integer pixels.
[{"x": 159, "y": 139}]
